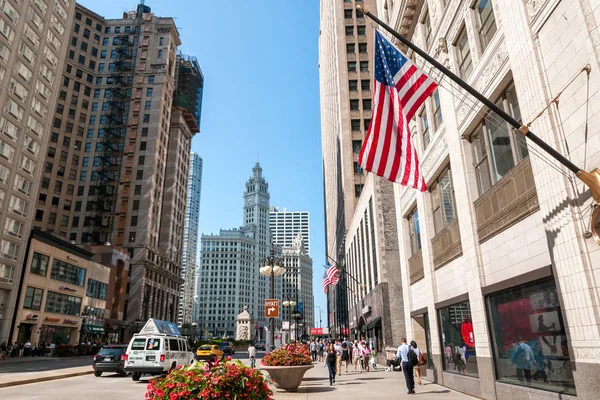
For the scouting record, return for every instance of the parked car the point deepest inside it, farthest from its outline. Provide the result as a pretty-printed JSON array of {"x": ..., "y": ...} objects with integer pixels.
[
  {"x": 209, "y": 352},
  {"x": 110, "y": 358},
  {"x": 227, "y": 348},
  {"x": 260, "y": 346}
]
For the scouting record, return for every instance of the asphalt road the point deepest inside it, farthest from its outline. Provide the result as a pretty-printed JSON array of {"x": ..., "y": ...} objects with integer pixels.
[{"x": 36, "y": 364}]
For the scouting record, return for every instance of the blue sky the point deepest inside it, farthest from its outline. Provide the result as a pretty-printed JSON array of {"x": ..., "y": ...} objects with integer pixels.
[{"x": 261, "y": 100}]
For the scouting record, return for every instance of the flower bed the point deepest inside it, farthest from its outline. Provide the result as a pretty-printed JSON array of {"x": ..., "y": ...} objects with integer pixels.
[
  {"x": 288, "y": 355},
  {"x": 229, "y": 380}
]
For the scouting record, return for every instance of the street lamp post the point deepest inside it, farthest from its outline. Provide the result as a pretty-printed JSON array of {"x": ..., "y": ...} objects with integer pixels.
[
  {"x": 289, "y": 303},
  {"x": 320, "y": 315},
  {"x": 272, "y": 268}
]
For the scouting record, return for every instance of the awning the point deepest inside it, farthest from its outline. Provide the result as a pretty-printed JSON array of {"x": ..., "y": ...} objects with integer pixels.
[
  {"x": 374, "y": 323},
  {"x": 92, "y": 329}
]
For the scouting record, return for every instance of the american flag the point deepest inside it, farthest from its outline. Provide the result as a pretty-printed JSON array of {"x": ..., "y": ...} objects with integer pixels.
[
  {"x": 326, "y": 282},
  {"x": 332, "y": 273},
  {"x": 400, "y": 89}
]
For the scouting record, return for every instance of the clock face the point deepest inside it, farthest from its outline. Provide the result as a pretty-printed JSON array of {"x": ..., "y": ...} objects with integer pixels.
[
  {"x": 250, "y": 202},
  {"x": 264, "y": 202}
]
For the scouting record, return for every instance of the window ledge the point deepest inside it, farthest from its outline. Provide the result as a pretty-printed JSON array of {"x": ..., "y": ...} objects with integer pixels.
[
  {"x": 510, "y": 200},
  {"x": 415, "y": 266},
  {"x": 446, "y": 245}
]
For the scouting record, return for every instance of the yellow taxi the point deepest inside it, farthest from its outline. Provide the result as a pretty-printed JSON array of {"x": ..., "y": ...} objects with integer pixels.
[{"x": 209, "y": 352}]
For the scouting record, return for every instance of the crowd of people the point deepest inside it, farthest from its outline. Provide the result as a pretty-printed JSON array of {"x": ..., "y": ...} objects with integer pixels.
[{"x": 26, "y": 349}]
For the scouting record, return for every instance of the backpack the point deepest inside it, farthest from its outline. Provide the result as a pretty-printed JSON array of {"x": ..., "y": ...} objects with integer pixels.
[
  {"x": 422, "y": 359},
  {"x": 366, "y": 351},
  {"x": 413, "y": 360}
]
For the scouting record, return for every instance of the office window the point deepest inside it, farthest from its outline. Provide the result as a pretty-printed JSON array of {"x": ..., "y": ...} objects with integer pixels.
[
  {"x": 487, "y": 22},
  {"x": 39, "y": 264},
  {"x": 529, "y": 340},
  {"x": 355, "y": 124},
  {"x": 362, "y": 47},
  {"x": 146, "y": 118},
  {"x": 357, "y": 168},
  {"x": 364, "y": 66},
  {"x": 351, "y": 66},
  {"x": 366, "y": 104},
  {"x": 151, "y": 79},
  {"x": 437, "y": 110},
  {"x": 497, "y": 148},
  {"x": 361, "y": 30},
  {"x": 349, "y": 31},
  {"x": 96, "y": 289},
  {"x": 366, "y": 123},
  {"x": 365, "y": 84},
  {"x": 105, "y": 41},
  {"x": 137, "y": 190},
  {"x": 414, "y": 231},
  {"x": 356, "y": 146},
  {"x": 353, "y": 85},
  {"x": 442, "y": 201},
  {"x": 465, "y": 63},
  {"x": 350, "y": 48},
  {"x": 427, "y": 29},
  {"x": 458, "y": 340},
  {"x": 358, "y": 190},
  {"x": 83, "y": 176},
  {"x": 354, "y": 104},
  {"x": 131, "y": 237},
  {"x": 60, "y": 303},
  {"x": 347, "y": 13},
  {"x": 33, "y": 298},
  {"x": 69, "y": 273},
  {"x": 425, "y": 128}
]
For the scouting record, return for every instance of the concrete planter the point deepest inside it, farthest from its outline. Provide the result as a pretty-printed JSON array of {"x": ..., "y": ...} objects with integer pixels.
[{"x": 287, "y": 378}]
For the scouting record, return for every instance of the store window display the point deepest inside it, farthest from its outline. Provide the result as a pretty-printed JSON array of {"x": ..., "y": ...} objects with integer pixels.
[
  {"x": 458, "y": 339},
  {"x": 529, "y": 337}
]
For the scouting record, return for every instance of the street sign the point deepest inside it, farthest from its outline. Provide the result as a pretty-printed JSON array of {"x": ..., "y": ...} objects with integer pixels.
[{"x": 271, "y": 308}]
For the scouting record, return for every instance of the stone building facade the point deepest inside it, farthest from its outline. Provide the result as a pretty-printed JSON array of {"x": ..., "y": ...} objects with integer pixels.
[{"x": 495, "y": 261}]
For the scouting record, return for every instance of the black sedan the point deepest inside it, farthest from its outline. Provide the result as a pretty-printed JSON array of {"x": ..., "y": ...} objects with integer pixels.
[
  {"x": 110, "y": 358},
  {"x": 260, "y": 346},
  {"x": 227, "y": 348}
]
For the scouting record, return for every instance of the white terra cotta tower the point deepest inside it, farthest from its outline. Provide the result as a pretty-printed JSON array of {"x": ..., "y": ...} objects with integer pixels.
[{"x": 244, "y": 323}]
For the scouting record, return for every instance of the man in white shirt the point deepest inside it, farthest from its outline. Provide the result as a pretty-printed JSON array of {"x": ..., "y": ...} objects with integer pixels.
[{"x": 407, "y": 367}]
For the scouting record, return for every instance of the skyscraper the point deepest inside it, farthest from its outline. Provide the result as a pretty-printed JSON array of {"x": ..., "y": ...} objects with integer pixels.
[
  {"x": 229, "y": 270},
  {"x": 33, "y": 38},
  {"x": 190, "y": 241},
  {"x": 287, "y": 225},
  {"x": 117, "y": 167}
]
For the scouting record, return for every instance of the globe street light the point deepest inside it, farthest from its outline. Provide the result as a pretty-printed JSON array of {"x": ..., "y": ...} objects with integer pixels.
[{"x": 272, "y": 268}]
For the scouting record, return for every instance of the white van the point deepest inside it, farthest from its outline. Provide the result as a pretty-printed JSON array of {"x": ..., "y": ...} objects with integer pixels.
[{"x": 156, "y": 354}]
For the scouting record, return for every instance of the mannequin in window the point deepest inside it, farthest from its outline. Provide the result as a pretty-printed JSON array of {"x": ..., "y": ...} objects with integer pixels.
[{"x": 466, "y": 332}]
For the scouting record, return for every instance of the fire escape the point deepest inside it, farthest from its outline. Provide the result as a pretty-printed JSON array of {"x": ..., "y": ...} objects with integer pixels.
[{"x": 113, "y": 146}]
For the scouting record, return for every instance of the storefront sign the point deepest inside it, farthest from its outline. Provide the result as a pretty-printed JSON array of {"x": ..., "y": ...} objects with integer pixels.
[
  {"x": 32, "y": 317},
  {"x": 69, "y": 321},
  {"x": 72, "y": 259},
  {"x": 67, "y": 289},
  {"x": 52, "y": 319},
  {"x": 345, "y": 331},
  {"x": 316, "y": 331}
]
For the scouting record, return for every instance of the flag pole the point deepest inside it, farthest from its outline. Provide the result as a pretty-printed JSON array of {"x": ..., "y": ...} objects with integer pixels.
[
  {"x": 345, "y": 270},
  {"x": 591, "y": 179}
]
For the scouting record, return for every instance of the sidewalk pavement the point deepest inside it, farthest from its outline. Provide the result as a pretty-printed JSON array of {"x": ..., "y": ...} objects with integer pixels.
[
  {"x": 376, "y": 384},
  {"x": 7, "y": 380},
  {"x": 17, "y": 360}
]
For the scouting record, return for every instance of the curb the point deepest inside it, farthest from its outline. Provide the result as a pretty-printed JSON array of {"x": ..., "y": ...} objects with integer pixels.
[{"x": 44, "y": 379}]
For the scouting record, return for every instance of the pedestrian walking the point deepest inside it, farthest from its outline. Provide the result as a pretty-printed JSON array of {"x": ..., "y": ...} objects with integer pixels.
[
  {"x": 52, "y": 347},
  {"x": 420, "y": 355},
  {"x": 403, "y": 354},
  {"x": 338, "y": 357},
  {"x": 313, "y": 350},
  {"x": 320, "y": 349},
  {"x": 356, "y": 356},
  {"x": 330, "y": 361},
  {"x": 366, "y": 356},
  {"x": 3, "y": 351},
  {"x": 345, "y": 356},
  {"x": 252, "y": 354},
  {"x": 21, "y": 349}
]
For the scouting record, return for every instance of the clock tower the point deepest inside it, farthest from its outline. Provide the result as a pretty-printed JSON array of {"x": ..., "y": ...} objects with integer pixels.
[{"x": 256, "y": 206}]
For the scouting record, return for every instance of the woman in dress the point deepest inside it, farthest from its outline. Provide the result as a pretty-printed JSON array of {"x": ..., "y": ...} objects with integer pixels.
[
  {"x": 356, "y": 356},
  {"x": 417, "y": 351},
  {"x": 345, "y": 356},
  {"x": 330, "y": 360},
  {"x": 366, "y": 356}
]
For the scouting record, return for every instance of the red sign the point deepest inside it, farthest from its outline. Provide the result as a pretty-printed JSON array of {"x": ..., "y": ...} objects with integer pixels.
[
  {"x": 316, "y": 331},
  {"x": 52, "y": 319},
  {"x": 345, "y": 331},
  {"x": 32, "y": 317},
  {"x": 69, "y": 321}
]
